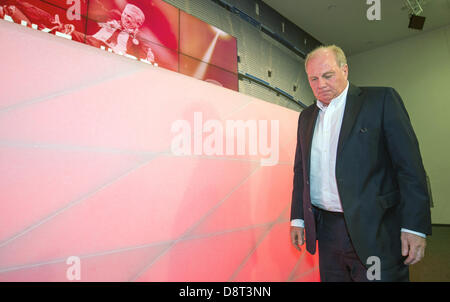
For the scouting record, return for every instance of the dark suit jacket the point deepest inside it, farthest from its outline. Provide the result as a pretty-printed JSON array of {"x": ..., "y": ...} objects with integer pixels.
[{"x": 379, "y": 173}]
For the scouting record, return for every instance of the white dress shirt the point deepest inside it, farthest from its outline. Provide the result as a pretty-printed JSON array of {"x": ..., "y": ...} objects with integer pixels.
[{"x": 323, "y": 186}]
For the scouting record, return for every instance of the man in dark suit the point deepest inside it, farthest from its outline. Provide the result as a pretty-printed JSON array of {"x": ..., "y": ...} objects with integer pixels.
[{"x": 359, "y": 184}]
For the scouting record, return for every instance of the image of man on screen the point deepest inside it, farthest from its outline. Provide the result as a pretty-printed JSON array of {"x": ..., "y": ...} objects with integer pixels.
[{"x": 121, "y": 36}]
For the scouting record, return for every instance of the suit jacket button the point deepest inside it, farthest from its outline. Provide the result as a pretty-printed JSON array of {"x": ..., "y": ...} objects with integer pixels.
[
  {"x": 310, "y": 209},
  {"x": 307, "y": 182}
]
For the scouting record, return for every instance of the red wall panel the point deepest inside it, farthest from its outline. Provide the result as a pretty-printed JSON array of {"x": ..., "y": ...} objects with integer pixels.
[{"x": 88, "y": 170}]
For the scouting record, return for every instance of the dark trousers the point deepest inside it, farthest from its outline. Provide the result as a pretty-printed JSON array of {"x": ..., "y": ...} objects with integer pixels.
[{"x": 338, "y": 261}]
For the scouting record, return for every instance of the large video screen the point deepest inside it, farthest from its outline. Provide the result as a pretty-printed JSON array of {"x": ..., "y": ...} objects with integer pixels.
[
  {"x": 151, "y": 31},
  {"x": 143, "y": 29},
  {"x": 54, "y": 16},
  {"x": 207, "y": 72},
  {"x": 207, "y": 43}
]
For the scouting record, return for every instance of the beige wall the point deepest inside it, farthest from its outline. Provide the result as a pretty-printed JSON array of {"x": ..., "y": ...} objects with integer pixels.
[{"x": 419, "y": 69}]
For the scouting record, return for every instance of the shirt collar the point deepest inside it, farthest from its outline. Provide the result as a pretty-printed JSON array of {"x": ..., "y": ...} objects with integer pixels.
[{"x": 334, "y": 102}]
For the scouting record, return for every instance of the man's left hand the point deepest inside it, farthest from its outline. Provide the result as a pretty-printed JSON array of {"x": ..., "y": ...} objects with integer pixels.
[{"x": 413, "y": 246}]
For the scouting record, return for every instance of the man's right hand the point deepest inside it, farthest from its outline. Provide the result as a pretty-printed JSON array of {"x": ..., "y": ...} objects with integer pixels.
[{"x": 297, "y": 237}]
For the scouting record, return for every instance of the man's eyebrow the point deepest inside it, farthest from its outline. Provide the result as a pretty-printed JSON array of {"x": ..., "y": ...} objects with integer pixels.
[{"x": 328, "y": 73}]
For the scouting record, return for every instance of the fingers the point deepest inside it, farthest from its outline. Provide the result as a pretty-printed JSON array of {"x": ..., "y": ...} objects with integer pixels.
[
  {"x": 413, "y": 246},
  {"x": 297, "y": 237},
  {"x": 415, "y": 255},
  {"x": 405, "y": 245}
]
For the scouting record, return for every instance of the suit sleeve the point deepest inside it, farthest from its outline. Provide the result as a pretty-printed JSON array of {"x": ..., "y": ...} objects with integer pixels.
[
  {"x": 406, "y": 159},
  {"x": 297, "y": 192}
]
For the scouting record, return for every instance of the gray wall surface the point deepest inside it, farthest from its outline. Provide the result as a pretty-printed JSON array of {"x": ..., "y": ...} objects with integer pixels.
[{"x": 419, "y": 69}]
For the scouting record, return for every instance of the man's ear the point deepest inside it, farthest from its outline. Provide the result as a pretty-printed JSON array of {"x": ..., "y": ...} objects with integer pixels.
[{"x": 345, "y": 69}]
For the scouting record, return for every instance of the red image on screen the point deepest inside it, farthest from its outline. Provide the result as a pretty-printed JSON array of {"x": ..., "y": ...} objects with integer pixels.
[
  {"x": 150, "y": 30},
  {"x": 209, "y": 73},
  {"x": 207, "y": 43},
  {"x": 44, "y": 16},
  {"x": 74, "y": 7},
  {"x": 141, "y": 28}
]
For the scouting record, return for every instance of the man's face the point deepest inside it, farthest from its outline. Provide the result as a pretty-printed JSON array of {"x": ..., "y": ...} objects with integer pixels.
[
  {"x": 326, "y": 78},
  {"x": 129, "y": 21}
]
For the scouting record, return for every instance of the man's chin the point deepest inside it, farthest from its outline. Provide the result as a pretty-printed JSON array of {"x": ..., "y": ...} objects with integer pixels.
[{"x": 324, "y": 99}]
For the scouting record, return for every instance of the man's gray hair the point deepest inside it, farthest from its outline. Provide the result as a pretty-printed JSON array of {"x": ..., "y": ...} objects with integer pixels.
[{"x": 339, "y": 54}]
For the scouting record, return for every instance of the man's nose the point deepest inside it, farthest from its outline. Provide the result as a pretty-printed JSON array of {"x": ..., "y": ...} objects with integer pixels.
[{"x": 321, "y": 83}]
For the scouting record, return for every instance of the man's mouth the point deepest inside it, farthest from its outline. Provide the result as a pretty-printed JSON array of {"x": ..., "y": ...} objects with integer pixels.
[{"x": 325, "y": 92}]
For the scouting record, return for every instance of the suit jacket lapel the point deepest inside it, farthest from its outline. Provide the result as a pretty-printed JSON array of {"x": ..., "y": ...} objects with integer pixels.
[
  {"x": 308, "y": 135},
  {"x": 352, "y": 108},
  {"x": 308, "y": 126}
]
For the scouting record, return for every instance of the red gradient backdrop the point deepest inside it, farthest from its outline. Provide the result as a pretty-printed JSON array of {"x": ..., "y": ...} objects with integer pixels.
[{"x": 87, "y": 170}]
